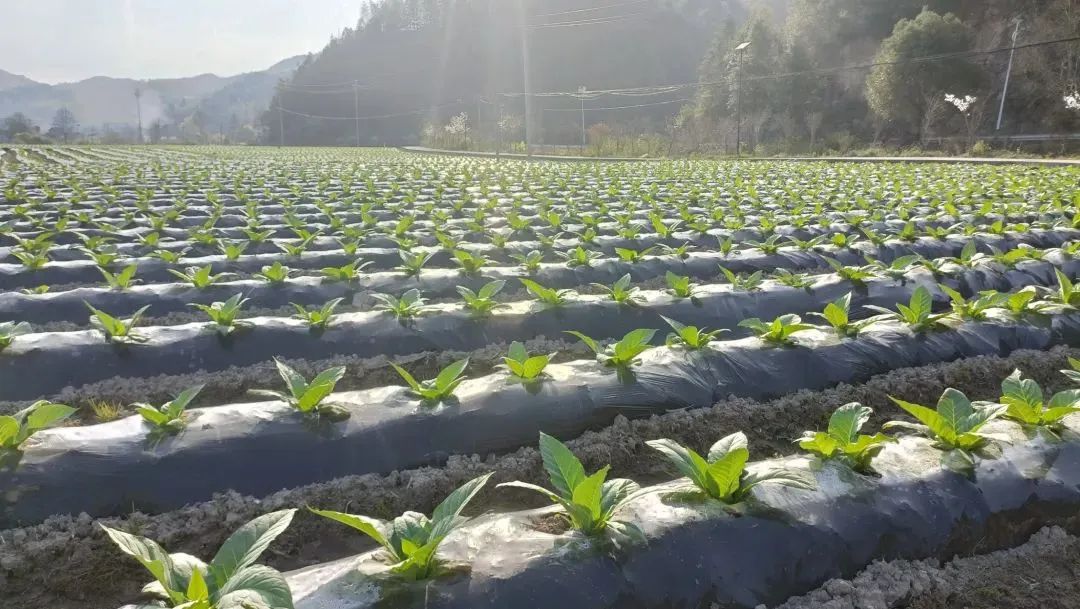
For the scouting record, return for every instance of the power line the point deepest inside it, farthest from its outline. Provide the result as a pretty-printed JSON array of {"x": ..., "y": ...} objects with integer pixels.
[
  {"x": 587, "y": 109},
  {"x": 371, "y": 117},
  {"x": 594, "y": 9},
  {"x": 583, "y": 22}
]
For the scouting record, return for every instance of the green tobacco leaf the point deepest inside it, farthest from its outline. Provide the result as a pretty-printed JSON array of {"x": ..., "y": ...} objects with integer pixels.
[
  {"x": 44, "y": 414},
  {"x": 846, "y": 421},
  {"x": 256, "y": 586},
  {"x": 688, "y": 462},
  {"x": 534, "y": 366},
  {"x": 295, "y": 381},
  {"x": 149, "y": 554},
  {"x": 564, "y": 469},
  {"x": 373, "y": 528},
  {"x": 247, "y": 543},
  {"x": 447, "y": 512},
  {"x": 450, "y": 373},
  {"x": 9, "y": 431}
]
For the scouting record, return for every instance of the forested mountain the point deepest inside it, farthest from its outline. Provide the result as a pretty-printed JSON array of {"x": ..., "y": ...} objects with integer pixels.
[
  {"x": 201, "y": 104},
  {"x": 413, "y": 64},
  {"x": 455, "y": 55}
]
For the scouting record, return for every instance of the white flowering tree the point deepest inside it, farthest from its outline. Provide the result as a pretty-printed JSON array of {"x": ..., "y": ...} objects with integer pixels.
[
  {"x": 971, "y": 109},
  {"x": 1072, "y": 100}
]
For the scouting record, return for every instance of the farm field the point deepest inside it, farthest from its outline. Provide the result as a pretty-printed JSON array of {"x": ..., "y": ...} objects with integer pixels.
[{"x": 601, "y": 382}]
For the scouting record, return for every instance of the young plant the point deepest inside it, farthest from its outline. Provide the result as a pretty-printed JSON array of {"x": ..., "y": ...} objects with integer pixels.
[
  {"x": 745, "y": 283},
  {"x": 275, "y": 274},
  {"x": 169, "y": 417},
  {"x": 918, "y": 314},
  {"x": 680, "y": 286},
  {"x": 469, "y": 263},
  {"x": 231, "y": 580},
  {"x": 412, "y": 540},
  {"x": 16, "y": 429},
  {"x": 481, "y": 303},
  {"x": 346, "y": 273},
  {"x": 953, "y": 427},
  {"x": 116, "y": 330},
  {"x": 779, "y": 331},
  {"x": 1023, "y": 304},
  {"x": 522, "y": 366},
  {"x": 689, "y": 337},
  {"x": 9, "y": 330},
  {"x": 412, "y": 263},
  {"x": 224, "y": 314},
  {"x": 441, "y": 387},
  {"x": 632, "y": 256},
  {"x": 621, "y": 291},
  {"x": 200, "y": 278},
  {"x": 625, "y": 352},
  {"x": 317, "y": 319},
  {"x": 308, "y": 398},
  {"x": 1067, "y": 295},
  {"x": 723, "y": 475},
  {"x": 799, "y": 281},
  {"x": 976, "y": 309},
  {"x": 1024, "y": 399},
  {"x": 232, "y": 250},
  {"x": 857, "y": 275},
  {"x": 842, "y": 440},
  {"x": 838, "y": 314},
  {"x": 530, "y": 262},
  {"x": 578, "y": 257},
  {"x": 121, "y": 280},
  {"x": 549, "y": 296},
  {"x": 589, "y": 502},
  {"x": 408, "y": 306}
]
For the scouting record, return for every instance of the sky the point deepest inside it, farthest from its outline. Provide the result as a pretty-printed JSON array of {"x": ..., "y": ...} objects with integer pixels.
[{"x": 67, "y": 40}]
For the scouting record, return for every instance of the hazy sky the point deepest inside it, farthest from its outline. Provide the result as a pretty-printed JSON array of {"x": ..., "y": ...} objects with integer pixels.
[{"x": 66, "y": 40}]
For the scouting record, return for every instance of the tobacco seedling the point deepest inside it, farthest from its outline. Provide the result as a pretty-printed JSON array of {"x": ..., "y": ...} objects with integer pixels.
[
  {"x": 838, "y": 314},
  {"x": 625, "y": 352},
  {"x": 689, "y": 337},
  {"x": 231, "y": 580},
  {"x": 524, "y": 367},
  {"x": 441, "y": 387},
  {"x": 842, "y": 440},
  {"x": 170, "y": 256},
  {"x": 296, "y": 249},
  {"x": 345, "y": 273},
  {"x": 680, "y": 286},
  {"x": 307, "y": 398},
  {"x": 408, "y": 306},
  {"x": 232, "y": 250},
  {"x": 857, "y": 275},
  {"x": 275, "y": 274},
  {"x": 1024, "y": 399},
  {"x": 121, "y": 280},
  {"x": 412, "y": 263},
  {"x": 317, "y": 319},
  {"x": 469, "y": 263},
  {"x": 1067, "y": 295},
  {"x": 481, "y": 303},
  {"x": 1022, "y": 304},
  {"x": 953, "y": 427},
  {"x": 779, "y": 331},
  {"x": 117, "y": 330},
  {"x": 895, "y": 270},
  {"x": 549, "y": 296},
  {"x": 530, "y": 262},
  {"x": 744, "y": 283},
  {"x": 632, "y": 256},
  {"x": 16, "y": 429},
  {"x": 723, "y": 475},
  {"x": 589, "y": 502},
  {"x": 412, "y": 540},
  {"x": 199, "y": 277},
  {"x": 169, "y": 417},
  {"x": 224, "y": 314},
  {"x": 976, "y": 309},
  {"x": 31, "y": 261},
  {"x": 918, "y": 314},
  {"x": 621, "y": 291},
  {"x": 578, "y": 257},
  {"x": 800, "y": 281},
  {"x": 9, "y": 330}
]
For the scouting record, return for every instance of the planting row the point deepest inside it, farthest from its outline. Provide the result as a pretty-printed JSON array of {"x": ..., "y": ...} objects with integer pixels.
[
  {"x": 858, "y": 498},
  {"x": 252, "y": 447}
]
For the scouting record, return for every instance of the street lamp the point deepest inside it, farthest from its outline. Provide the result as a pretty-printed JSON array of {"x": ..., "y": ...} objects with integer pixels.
[{"x": 739, "y": 50}]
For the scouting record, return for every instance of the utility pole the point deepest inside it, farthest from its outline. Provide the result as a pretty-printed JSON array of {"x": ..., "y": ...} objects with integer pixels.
[
  {"x": 581, "y": 94},
  {"x": 526, "y": 77},
  {"x": 740, "y": 50},
  {"x": 1008, "y": 74},
  {"x": 281, "y": 116},
  {"x": 356, "y": 109},
  {"x": 138, "y": 112}
]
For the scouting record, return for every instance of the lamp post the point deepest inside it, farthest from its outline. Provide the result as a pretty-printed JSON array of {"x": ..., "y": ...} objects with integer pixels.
[{"x": 739, "y": 50}]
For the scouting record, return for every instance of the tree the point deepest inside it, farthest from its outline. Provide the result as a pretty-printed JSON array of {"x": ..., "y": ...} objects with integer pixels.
[
  {"x": 912, "y": 93},
  {"x": 64, "y": 126},
  {"x": 15, "y": 124}
]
